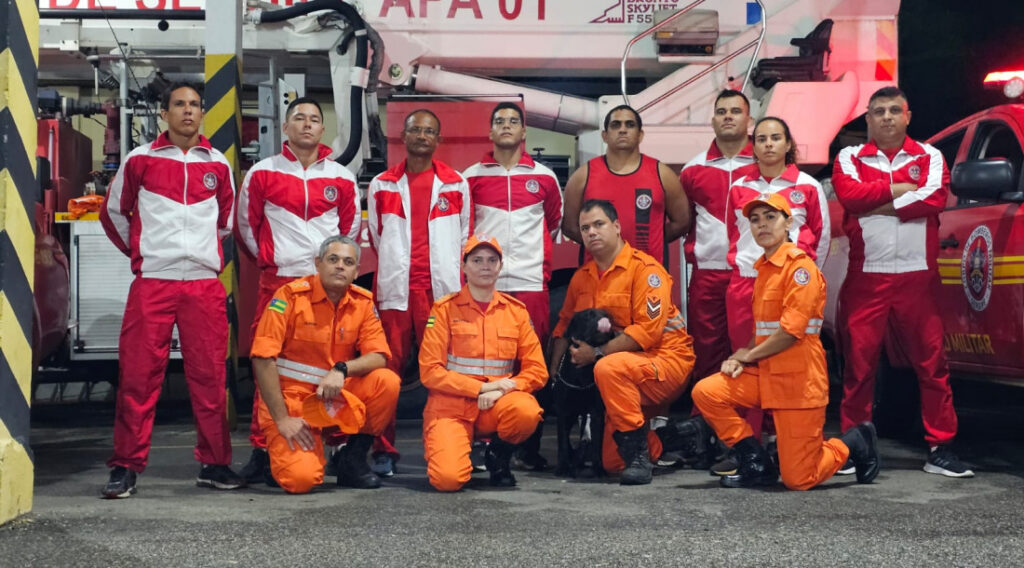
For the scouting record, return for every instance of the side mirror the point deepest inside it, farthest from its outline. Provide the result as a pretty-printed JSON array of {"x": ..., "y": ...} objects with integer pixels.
[{"x": 993, "y": 179}]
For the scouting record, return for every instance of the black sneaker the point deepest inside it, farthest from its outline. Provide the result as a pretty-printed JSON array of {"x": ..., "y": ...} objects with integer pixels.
[
  {"x": 121, "y": 483},
  {"x": 729, "y": 465},
  {"x": 258, "y": 468},
  {"x": 477, "y": 455},
  {"x": 943, "y": 461},
  {"x": 219, "y": 477},
  {"x": 848, "y": 468}
]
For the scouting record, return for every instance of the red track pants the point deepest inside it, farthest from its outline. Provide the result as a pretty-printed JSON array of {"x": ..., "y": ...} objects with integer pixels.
[{"x": 707, "y": 319}]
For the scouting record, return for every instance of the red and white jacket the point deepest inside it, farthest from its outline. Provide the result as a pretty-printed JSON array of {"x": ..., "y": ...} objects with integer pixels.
[
  {"x": 388, "y": 206},
  {"x": 522, "y": 208},
  {"x": 706, "y": 180},
  {"x": 285, "y": 211},
  {"x": 168, "y": 210},
  {"x": 884, "y": 243},
  {"x": 811, "y": 229}
]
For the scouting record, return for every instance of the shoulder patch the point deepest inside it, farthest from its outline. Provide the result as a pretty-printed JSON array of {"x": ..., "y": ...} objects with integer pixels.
[
  {"x": 801, "y": 276},
  {"x": 299, "y": 285},
  {"x": 360, "y": 291},
  {"x": 796, "y": 252},
  {"x": 277, "y": 305},
  {"x": 653, "y": 280},
  {"x": 653, "y": 307},
  {"x": 431, "y": 320}
]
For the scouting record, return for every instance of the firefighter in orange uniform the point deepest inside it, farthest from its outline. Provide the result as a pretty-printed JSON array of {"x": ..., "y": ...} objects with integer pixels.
[
  {"x": 649, "y": 363},
  {"x": 473, "y": 344},
  {"x": 320, "y": 337},
  {"x": 782, "y": 369}
]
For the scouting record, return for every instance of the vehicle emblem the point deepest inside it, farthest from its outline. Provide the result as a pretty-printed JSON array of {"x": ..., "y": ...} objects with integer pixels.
[{"x": 976, "y": 268}]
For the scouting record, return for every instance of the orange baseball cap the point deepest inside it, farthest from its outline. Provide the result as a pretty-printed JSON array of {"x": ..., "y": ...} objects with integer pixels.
[
  {"x": 773, "y": 201},
  {"x": 480, "y": 241},
  {"x": 345, "y": 411}
]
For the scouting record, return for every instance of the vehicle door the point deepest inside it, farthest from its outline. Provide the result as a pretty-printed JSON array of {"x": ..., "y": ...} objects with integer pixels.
[{"x": 981, "y": 260}]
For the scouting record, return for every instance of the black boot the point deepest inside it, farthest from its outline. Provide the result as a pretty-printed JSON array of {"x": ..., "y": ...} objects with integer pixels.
[
  {"x": 499, "y": 452},
  {"x": 755, "y": 467},
  {"x": 691, "y": 438},
  {"x": 633, "y": 449},
  {"x": 258, "y": 468},
  {"x": 353, "y": 469},
  {"x": 862, "y": 440}
]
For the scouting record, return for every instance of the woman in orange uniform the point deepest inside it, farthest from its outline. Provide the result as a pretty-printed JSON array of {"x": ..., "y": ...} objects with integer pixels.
[
  {"x": 480, "y": 359},
  {"x": 782, "y": 369}
]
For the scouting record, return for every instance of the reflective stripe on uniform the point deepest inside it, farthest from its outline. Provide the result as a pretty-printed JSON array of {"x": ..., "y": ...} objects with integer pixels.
[
  {"x": 300, "y": 372},
  {"x": 482, "y": 367},
  {"x": 674, "y": 323},
  {"x": 770, "y": 327}
]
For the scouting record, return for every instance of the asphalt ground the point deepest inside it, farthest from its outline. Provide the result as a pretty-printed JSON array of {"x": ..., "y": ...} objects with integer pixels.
[{"x": 906, "y": 518}]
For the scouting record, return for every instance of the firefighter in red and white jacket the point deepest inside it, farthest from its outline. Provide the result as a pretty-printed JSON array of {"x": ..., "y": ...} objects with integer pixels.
[
  {"x": 168, "y": 208},
  {"x": 776, "y": 172},
  {"x": 287, "y": 205},
  {"x": 419, "y": 218},
  {"x": 706, "y": 179},
  {"x": 893, "y": 189}
]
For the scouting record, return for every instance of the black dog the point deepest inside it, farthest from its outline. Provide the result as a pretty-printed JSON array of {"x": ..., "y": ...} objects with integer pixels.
[{"x": 577, "y": 400}]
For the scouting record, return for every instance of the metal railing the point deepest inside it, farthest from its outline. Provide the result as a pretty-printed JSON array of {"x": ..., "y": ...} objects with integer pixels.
[{"x": 755, "y": 44}]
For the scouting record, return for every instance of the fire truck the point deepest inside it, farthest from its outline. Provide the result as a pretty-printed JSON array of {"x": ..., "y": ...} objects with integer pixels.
[{"x": 813, "y": 62}]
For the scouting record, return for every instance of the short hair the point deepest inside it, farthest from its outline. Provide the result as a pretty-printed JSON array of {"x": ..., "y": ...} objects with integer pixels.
[
  {"x": 608, "y": 117},
  {"x": 165, "y": 97},
  {"x": 730, "y": 93},
  {"x": 791, "y": 154},
  {"x": 507, "y": 105},
  {"x": 303, "y": 101},
  {"x": 422, "y": 111},
  {"x": 343, "y": 239},
  {"x": 604, "y": 205},
  {"x": 890, "y": 92}
]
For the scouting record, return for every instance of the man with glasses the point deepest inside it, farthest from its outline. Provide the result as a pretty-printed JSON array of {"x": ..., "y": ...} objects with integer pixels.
[
  {"x": 518, "y": 202},
  {"x": 419, "y": 215}
]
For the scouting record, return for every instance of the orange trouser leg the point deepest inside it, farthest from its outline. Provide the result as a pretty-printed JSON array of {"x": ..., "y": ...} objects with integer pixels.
[
  {"x": 718, "y": 397},
  {"x": 514, "y": 417},
  {"x": 630, "y": 380},
  {"x": 446, "y": 446},
  {"x": 295, "y": 470},
  {"x": 805, "y": 460},
  {"x": 378, "y": 390}
]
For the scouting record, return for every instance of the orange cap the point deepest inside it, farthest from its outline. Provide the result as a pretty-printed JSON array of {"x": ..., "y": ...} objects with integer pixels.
[
  {"x": 773, "y": 200},
  {"x": 345, "y": 411},
  {"x": 478, "y": 241}
]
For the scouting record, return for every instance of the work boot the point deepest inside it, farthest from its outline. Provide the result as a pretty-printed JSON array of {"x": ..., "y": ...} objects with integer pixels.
[
  {"x": 755, "y": 466},
  {"x": 353, "y": 469},
  {"x": 691, "y": 438},
  {"x": 862, "y": 440},
  {"x": 633, "y": 449},
  {"x": 499, "y": 453},
  {"x": 258, "y": 468}
]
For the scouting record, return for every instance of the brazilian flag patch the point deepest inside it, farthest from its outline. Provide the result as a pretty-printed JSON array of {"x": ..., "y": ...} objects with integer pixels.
[
  {"x": 277, "y": 305},
  {"x": 430, "y": 321}
]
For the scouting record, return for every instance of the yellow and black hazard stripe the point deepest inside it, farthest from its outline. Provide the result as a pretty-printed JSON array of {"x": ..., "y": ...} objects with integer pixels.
[
  {"x": 223, "y": 125},
  {"x": 19, "y": 47}
]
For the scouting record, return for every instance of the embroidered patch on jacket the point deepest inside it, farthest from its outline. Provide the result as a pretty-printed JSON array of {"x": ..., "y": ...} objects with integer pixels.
[
  {"x": 532, "y": 186},
  {"x": 210, "y": 180},
  {"x": 914, "y": 172},
  {"x": 644, "y": 202},
  {"x": 653, "y": 307},
  {"x": 278, "y": 305},
  {"x": 801, "y": 276},
  {"x": 430, "y": 321},
  {"x": 654, "y": 281},
  {"x": 797, "y": 197},
  {"x": 330, "y": 193},
  {"x": 442, "y": 204}
]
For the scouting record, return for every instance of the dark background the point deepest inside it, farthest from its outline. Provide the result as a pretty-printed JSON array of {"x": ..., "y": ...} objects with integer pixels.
[{"x": 946, "y": 48}]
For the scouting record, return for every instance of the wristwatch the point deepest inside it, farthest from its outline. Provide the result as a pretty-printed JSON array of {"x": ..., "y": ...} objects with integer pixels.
[
  {"x": 341, "y": 367},
  {"x": 598, "y": 353}
]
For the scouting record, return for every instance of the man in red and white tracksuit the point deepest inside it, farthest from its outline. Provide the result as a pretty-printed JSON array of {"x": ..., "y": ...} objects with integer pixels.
[
  {"x": 168, "y": 208},
  {"x": 519, "y": 202},
  {"x": 419, "y": 218},
  {"x": 893, "y": 189},
  {"x": 287, "y": 205},
  {"x": 706, "y": 179}
]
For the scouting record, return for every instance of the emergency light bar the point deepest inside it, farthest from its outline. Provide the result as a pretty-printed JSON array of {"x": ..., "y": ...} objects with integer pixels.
[{"x": 1011, "y": 82}]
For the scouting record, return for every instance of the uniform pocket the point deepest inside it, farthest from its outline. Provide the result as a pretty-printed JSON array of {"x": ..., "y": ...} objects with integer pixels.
[
  {"x": 508, "y": 342},
  {"x": 311, "y": 332}
]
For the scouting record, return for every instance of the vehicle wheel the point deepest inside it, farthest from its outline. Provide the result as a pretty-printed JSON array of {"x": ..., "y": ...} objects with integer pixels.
[{"x": 897, "y": 406}]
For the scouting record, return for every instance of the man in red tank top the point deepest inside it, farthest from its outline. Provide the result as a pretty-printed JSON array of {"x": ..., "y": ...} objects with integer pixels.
[{"x": 653, "y": 210}]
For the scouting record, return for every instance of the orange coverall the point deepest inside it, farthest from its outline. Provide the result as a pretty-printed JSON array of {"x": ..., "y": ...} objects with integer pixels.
[
  {"x": 789, "y": 294},
  {"x": 307, "y": 334},
  {"x": 462, "y": 349},
  {"x": 637, "y": 292}
]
